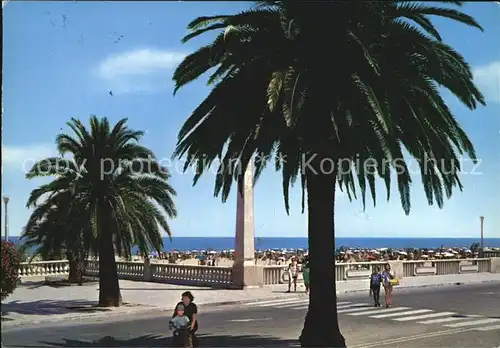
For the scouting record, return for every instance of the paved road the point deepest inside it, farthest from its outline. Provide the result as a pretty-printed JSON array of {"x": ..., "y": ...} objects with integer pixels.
[{"x": 461, "y": 316}]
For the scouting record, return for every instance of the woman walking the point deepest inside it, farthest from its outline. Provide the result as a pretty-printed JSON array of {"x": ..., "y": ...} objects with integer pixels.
[{"x": 387, "y": 277}]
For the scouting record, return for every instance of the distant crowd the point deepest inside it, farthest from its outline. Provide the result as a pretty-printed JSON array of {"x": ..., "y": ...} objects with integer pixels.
[{"x": 342, "y": 255}]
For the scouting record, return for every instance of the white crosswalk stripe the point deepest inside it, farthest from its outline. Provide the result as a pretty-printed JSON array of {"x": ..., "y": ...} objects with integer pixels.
[
  {"x": 472, "y": 323},
  {"x": 363, "y": 311},
  {"x": 282, "y": 303},
  {"x": 274, "y": 303},
  {"x": 426, "y": 316},
  {"x": 352, "y": 310},
  {"x": 340, "y": 306},
  {"x": 415, "y": 311},
  {"x": 385, "y": 310},
  {"x": 443, "y": 320},
  {"x": 352, "y": 305},
  {"x": 292, "y": 303},
  {"x": 489, "y": 328},
  {"x": 300, "y": 308}
]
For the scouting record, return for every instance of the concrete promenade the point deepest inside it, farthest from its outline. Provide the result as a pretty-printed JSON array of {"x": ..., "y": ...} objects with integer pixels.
[{"x": 34, "y": 302}]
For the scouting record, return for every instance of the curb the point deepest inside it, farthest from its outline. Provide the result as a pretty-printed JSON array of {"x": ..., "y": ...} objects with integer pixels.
[{"x": 141, "y": 309}]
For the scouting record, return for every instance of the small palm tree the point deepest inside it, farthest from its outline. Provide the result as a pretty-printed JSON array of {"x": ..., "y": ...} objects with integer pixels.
[
  {"x": 117, "y": 186},
  {"x": 56, "y": 230}
]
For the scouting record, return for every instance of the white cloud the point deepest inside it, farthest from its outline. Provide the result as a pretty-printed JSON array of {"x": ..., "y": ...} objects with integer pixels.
[
  {"x": 487, "y": 77},
  {"x": 24, "y": 157},
  {"x": 18, "y": 154},
  {"x": 142, "y": 70}
]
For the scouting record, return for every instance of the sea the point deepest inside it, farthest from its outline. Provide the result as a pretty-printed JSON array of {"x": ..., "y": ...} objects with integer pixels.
[{"x": 261, "y": 243}]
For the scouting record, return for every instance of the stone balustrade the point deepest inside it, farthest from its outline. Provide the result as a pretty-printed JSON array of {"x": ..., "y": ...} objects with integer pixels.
[
  {"x": 191, "y": 275},
  {"x": 223, "y": 277},
  {"x": 445, "y": 267},
  {"x": 43, "y": 268},
  {"x": 274, "y": 274}
]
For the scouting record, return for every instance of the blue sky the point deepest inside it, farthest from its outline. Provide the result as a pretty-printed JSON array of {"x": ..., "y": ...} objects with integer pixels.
[{"x": 61, "y": 59}]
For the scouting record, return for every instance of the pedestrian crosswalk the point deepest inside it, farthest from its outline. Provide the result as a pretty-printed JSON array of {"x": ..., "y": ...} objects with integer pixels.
[{"x": 402, "y": 314}]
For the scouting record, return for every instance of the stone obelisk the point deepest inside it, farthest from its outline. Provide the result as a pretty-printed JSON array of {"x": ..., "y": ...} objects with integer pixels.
[{"x": 245, "y": 272}]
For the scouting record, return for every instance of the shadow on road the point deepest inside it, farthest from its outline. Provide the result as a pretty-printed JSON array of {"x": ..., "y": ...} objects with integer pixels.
[
  {"x": 49, "y": 307},
  {"x": 162, "y": 341}
]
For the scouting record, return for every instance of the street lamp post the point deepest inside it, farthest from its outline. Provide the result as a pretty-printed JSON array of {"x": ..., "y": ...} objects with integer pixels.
[
  {"x": 6, "y": 217},
  {"x": 481, "y": 218}
]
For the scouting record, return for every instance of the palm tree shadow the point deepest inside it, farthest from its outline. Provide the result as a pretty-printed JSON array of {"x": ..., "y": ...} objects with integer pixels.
[
  {"x": 50, "y": 307},
  {"x": 162, "y": 341}
]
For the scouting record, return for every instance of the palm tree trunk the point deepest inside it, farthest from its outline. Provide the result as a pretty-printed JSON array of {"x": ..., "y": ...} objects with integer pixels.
[
  {"x": 109, "y": 287},
  {"x": 321, "y": 327},
  {"x": 75, "y": 269}
]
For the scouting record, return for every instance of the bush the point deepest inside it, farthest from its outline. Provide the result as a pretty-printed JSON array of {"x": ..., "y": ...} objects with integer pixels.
[{"x": 10, "y": 267}]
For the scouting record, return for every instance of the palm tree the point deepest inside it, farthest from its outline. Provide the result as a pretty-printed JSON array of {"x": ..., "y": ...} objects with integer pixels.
[
  {"x": 115, "y": 184},
  {"x": 56, "y": 230},
  {"x": 333, "y": 91}
]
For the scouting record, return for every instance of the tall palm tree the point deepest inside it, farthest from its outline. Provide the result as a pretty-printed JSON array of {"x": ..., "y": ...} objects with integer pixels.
[
  {"x": 333, "y": 91},
  {"x": 117, "y": 185}
]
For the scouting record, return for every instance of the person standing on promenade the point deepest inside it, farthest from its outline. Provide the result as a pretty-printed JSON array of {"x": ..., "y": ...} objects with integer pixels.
[
  {"x": 305, "y": 274},
  {"x": 387, "y": 277},
  {"x": 375, "y": 283},
  {"x": 293, "y": 272}
]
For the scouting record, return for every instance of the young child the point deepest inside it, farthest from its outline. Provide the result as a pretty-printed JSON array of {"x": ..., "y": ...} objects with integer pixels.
[
  {"x": 375, "y": 282},
  {"x": 180, "y": 321}
]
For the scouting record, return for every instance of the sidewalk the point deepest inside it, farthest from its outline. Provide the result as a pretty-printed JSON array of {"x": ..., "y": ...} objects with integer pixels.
[{"x": 38, "y": 303}]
